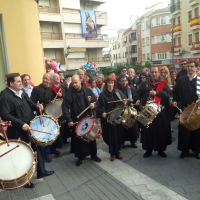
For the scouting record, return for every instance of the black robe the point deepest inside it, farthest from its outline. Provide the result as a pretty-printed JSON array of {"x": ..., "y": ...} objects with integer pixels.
[
  {"x": 111, "y": 133},
  {"x": 133, "y": 82},
  {"x": 185, "y": 93},
  {"x": 158, "y": 135},
  {"x": 77, "y": 101},
  {"x": 20, "y": 111},
  {"x": 181, "y": 74},
  {"x": 130, "y": 134}
]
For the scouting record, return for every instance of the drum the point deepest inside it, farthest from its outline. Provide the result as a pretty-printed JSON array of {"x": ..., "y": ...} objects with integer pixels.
[
  {"x": 131, "y": 118},
  {"x": 88, "y": 129},
  {"x": 18, "y": 163},
  {"x": 190, "y": 117},
  {"x": 54, "y": 108},
  {"x": 149, "y": 113},
  {"x": 50, "y": 126},
  {"x": 119, "y": 115}
]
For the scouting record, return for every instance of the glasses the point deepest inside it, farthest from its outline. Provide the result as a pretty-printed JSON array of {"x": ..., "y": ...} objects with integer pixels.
[
  {"x": 184, "y": 64},
  {"x": 123, "y": 81},
  {"x": 143, "y": 77},
  {"x": 124, "y": 71}
]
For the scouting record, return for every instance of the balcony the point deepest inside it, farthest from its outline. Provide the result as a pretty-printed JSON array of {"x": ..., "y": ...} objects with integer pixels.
[
  {"x": 52, "y": 40},
  {"x": 177, "y": 50},
  {"x": 101, "y": 18},
  {"x": 132, "y": 39},
  {"x": 175, "y": 8},
  {"x": 194, "y": 23},
  {"x": 76, "y": 40},
  {"x": 193, "y": 2},
  {"x": 195, "y": 47},
  {"x": 75, "y": 63},
  {"x": 177, "y": 29},
  {"x": 49, "y": 14}
]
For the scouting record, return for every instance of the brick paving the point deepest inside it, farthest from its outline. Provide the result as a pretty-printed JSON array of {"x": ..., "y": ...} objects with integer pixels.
[{"x": 91, "y": 181}]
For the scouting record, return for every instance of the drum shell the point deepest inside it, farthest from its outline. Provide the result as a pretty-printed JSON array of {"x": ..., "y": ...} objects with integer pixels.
[
  {"x": 131, "y": 118},
  {"x": 22, "y": 180},
  {"x": 190, "y": 117}
]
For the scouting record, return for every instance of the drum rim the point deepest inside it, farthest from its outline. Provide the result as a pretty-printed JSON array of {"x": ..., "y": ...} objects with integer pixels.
[
  {"x": 46, "y": 143},
  {"x": 93, "y": 121},
  {"x": 121, "y": 114}
]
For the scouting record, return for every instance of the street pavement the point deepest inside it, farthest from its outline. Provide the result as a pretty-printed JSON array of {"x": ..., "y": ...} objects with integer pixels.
[{"x": 153, "y": 178}]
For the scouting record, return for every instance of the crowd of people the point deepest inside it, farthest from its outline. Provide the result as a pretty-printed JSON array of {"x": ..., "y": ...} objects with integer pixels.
[{"x": 21, "y": 101}]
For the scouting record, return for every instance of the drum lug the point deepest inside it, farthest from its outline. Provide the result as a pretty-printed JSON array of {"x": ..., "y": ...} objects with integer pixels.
[{"x": 19, "y": 139}]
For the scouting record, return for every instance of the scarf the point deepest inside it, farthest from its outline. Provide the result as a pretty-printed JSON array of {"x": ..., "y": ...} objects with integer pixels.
[
  {"x": 198, "y": 86},
  {"x": 56, "y": 89}
]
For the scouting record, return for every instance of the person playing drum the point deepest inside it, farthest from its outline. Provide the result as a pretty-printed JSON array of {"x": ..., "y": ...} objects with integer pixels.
[
  {"x": 111, "y": 133},
  {"x": 17, "y": 107},
  {"x": 130, "y": 134},
  {"x": 187, "y": 91},
  {"x": 78, "y": 99},
  {"x": 158, "y": 135}
]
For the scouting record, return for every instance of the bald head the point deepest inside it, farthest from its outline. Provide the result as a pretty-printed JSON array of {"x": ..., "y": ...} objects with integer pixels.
[
  {"x": 56, "y": 79},
  {"x": 131, "y": 73},
  {"x": 46, "y": 80},
  {"x": 76, "y": 82}
]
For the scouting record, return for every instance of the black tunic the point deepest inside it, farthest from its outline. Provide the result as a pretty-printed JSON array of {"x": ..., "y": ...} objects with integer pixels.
[
  {"x": 133, "y": 82},
  {"x": 77, "y": 101},
  {"x": 20, "y": 111},
  {"x": 185, "y": 93},
  {"x": 181, "y": 74},
  {"x": 158, "y": 135},
  {"x": 111, "y": 133},
  {"x": 130, "y": 134}
]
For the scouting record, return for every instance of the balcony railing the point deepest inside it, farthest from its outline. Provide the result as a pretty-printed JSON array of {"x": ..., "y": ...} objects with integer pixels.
[
  {"x": 177, "y": 27},
  {"x": 175, "y": 7},
  {"x": 101, "y": 14},
  {"x": 132, "y": 39},
  {"x": 51, "y": 36},
  {"x": 102, "y": 37},
  {"x": 176, "y": 48},
  {"x": 131, "y": 52},
  {"x": 194, "y": 21},
  {"x": 195, "y": 46},
  {"x": 49, "y": 10}
]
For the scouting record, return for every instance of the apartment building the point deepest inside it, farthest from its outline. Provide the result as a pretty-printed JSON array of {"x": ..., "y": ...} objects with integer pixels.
[
  {"x": 186, "y": 28},
  {"x": 154, "y": 37},
  {"x": 62, "y": 27}
]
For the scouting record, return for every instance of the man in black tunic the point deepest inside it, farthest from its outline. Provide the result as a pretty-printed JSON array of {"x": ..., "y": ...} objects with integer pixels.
[
  {"x": 78, "y": 98},
  {"x": 17, "y": 107},
  {"x": 186, "y": 92},
  {"x": 183, "y": 71},
  {"x": 44, "y": 94},
  {"x": 130, "y": 134},
  {"x": 158, "y": 135}
]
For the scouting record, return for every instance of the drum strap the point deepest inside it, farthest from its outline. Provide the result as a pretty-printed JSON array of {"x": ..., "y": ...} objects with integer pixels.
[
  {"x": 198, "y": 86},
  {"x": 118, "y": 95},
  {"x": 129, "y": 93}
]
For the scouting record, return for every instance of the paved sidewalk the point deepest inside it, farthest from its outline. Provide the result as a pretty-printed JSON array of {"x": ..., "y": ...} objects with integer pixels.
[{"x": 134, "y": 177}]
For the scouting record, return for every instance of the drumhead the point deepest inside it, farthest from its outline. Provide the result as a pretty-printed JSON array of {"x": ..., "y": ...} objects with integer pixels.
[
  {"x": 54, "y": 109},
  {"x": 187, "y": 112},
  {"x": 50, "y": 126},
  {"x": 117, "y": 113},
  {"x": 17, "y": 162},
  {"x": 84, "y": 126}
]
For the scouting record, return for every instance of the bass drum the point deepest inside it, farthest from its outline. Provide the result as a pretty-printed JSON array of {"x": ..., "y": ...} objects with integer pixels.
[{"x": 18, "y": 163}]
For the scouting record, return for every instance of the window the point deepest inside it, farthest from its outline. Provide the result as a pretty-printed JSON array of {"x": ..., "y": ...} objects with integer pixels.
[
  {"x": 196, "y": 37},
  {"x": 196, "y": 12},
  {"x": 179, "y": 19},
  {"x": 147, "y": 41},
  {"x": 143, "y": 42},
  {"x": 153, "y": 40},
  {"x": 163, "y": 20},
  {"x": 179, "y": 41},
  {"x": 143, "y": 26},
  {"x": 147, "y": 24},
  {"x": 173, "y": 22},
  {"x": 119, "y": 55},
  {"x": 114, "y": 56},
  {"x": 144, "y": 57},
  {"x": 190, "y": 39},
  {"x": 148, "y": 57},
  {"x": 189, "y": 15},
  {"x": 174, "y": 42},
  {"x": 158, "y": 21},
  {"x": 162, "y": 56}
]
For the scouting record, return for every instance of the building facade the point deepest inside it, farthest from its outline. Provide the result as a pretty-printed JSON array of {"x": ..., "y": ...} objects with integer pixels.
[
  {"x": 61, "y": 26},
  {"x": 186, "y": 29}
]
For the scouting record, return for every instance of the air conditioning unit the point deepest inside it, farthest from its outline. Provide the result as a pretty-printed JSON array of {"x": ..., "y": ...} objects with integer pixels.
[{"x": 88, "y": 3}]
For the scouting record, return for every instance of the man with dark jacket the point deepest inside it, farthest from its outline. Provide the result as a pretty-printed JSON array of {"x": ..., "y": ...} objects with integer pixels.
[{"x": 183, "y": 71}]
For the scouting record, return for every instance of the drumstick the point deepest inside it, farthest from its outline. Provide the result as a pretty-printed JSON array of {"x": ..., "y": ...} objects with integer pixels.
[
  {"x": 179, "y": 109},
  {"x": 56, "y": 96},
  {"x": 4, "y": 132},
  {"x": 118, "y": 101},
  {"x": 40, "y": 131},
  {"x": 192, "y": 112},
  {"x": 84, "y": 111},
  {"x": 8, "y": 151},
  {"x": 111, "y": 111},
  {"x": 42, "y": 122}
]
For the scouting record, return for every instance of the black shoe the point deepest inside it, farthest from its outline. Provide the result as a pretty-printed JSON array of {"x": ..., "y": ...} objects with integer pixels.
[
  {"x": 134, "y": 145},
  {"x": 47, "y": 173},
  {"x": 183, "y": 155},
  {"x": 96, "y": 159},
  {"x": 48, "y": 158},
  {"x": 57, "y": 153},
  {"x": 79, "y": 162},
  {"x": 147, "y": 154},
  {"x": 197, "y": 156},
  {"x": 29, "y": 185},
  {"x": 162, "y": 154}
]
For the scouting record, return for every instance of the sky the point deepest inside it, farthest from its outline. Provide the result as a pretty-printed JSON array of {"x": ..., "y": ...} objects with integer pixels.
[{"x": 120, "y": 11}]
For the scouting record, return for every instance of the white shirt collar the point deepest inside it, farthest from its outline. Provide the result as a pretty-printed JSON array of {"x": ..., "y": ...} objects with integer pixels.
[
  {"x": 193, "y": 77},
  {"x": 19, "y": 94}
]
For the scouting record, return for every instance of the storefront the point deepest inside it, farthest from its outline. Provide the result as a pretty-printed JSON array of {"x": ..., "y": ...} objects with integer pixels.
[{"x": 161, "y": 63}]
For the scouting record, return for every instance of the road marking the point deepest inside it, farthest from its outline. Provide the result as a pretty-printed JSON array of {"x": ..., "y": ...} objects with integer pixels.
[
  {"x": 46, "y": 197},
  {"x": 138, "y": 182}
]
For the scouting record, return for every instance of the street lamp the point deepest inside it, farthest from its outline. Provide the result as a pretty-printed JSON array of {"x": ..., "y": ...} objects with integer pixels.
[{"x": 67, "y": 52}]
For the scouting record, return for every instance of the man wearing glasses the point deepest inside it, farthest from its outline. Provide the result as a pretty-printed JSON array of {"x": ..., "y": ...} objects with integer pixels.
[{"x": 183, "y": 71}]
